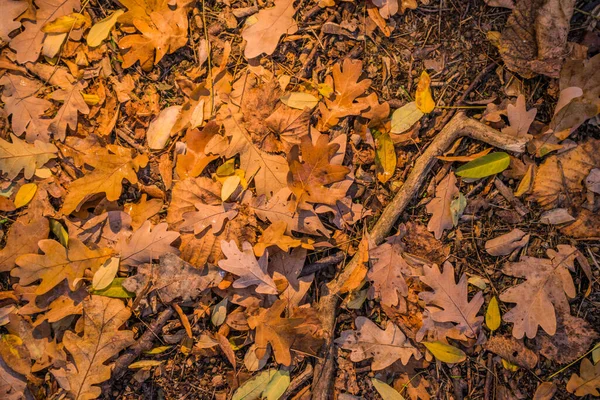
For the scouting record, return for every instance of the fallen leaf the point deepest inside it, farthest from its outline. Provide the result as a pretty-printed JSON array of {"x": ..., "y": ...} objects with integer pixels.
[
  {"x": 253, "y": 388},
  {"x": 147, "y": 243},
  {"x": 492, "y": 315},
  {"x": 160, "y": 128},
  {"x": 105, "y": 274},
  {"x": 405, "y": 117},
  {"x": 545, "y": 391},
  {"x": 505, "y": 244},
  {"x": 101, "y": 340},
  {"x": 573, "y": 337},
  {"x": 10, "y": 11},
  {"x": 386, "y": 391},
  {"x": 423, "y": 98},
  {"x": 388, "y": 273},
  {"x": 206, "y": 216},
  {"x": 21, "y": 156},
  {"x": 440, "y": 206},
  {"x": 277, "y": 385},
  {"x": 519, "y": 118},
  {"x": 445, "y": 353},
  {"x": 588, "y": 380},
  {"x": 22, "y": 239},
  {"x": 384, "y": 346},
  {"x": 250, "y": 270},
  {"x": 101, "y": 29},
  {"x": 385, "y": 157},
  {"x": 275, "y": 235},
  {"x": 512, "y": 350},
  {"x": 25, "y": 194},
  {"x": 270, "y": 25},
  {"x": 299, "y": 100},
  {"x": 482, "y": 167}
]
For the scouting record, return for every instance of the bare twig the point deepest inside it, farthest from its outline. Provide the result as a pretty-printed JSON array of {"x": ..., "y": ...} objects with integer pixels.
[{"x": 459, "y": 126}]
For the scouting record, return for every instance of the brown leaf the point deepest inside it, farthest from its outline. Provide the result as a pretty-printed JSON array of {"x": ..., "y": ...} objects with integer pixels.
[
  {"x": 449, "y": 301},
  {"x": 388, "y": 273},
  {"x": 440, "y": 206},
  {"x": 22, "y": 239},
  {"x": 66, "y": 116},
  {"x": 275, "y": 235},
  {"x": 206, "y": 216},
  {"x": 13, "y": 386},
  {"x": 146, "y": 244},
  {"x": 143, "y": 210},
  {"x": 299, "y": 332},
  {"x": 101, "y": 341},
  {"x": 172, "y": 278},
  {"x": 545, "y": 391},
  {"x": 507, "y": 243},
  {"x": 573, "y": 337},
  {"x": 250, "y": 270},
  {"x": 559, "y": 179},
  {"x": 535, "y": 37},
  {"x": 110, "y": 168},
  {"x": 548, "y": 285},
  {"x": 189, "y": 192},
  {"x": 10, "y": 11},
  {"x": 271, "y": 24},
  {"x": 347, "y": 89},
  {"x": 21, "y": 156},
  {"x": 194, "y": 161},
  {"x": 58, "y": 264},
  {"x": 307, "y": 178},
  {"x": 384, "y": 347},
  {"x": 588, "y": 380},
  {"x": 519, "y": 118},
  {"x": 512, "y": 350}
]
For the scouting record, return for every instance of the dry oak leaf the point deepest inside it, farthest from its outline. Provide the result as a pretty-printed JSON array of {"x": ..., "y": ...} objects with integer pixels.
[
  {"x": 162, "y": 33},
  {"x": 300, "y": 332},
  {"x": 519, "y": 118},
  {"x": 385, "y": 347},
  {"x": 189, "y": 192},
  {"x": 206, "y": 216},
  {"x": 245, "y": 265},
  {"x": 22, "y": 239},
  {"x": 192, "y": 163},
  {"x": 573, "y": 337},
  {"x": 275, "y": 235},
  {"x": 28, "y": 44},
  {"x": 548, "y": 285},
  {"x": 101, "y": 340},
  {"x": 271, "y": 24},
  {"x": 588, "y": 380},
  {"x": 20, "y": 101},
  {"x": 146, "y": 244},
  {"x": 73, "y": 102},
  {"x": 388, "y": 273},
  {"x": 58, "y": 264},
  {"x": 13, "y": 386},
  {"x": 107, "y": 176},
  {"x": 347, "y": 89},
  {"x": 440, "y": 206},
  {"x": 172, "y": 278},
  {"x": 11, "y": 9},
  {"x": 559, "y": 178},
  {"x": 21, "y": 156},
  {"x": 278, "y": 209},
  {"x": 449, "y": 301},
  {"x": 307, "y": 178},
  {"x": 269, "y": 170}
]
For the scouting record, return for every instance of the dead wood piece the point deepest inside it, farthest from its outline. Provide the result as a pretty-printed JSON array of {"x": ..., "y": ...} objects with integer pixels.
[
  {"x": 459, "y": 126},
  {"x": 510, "y": 197},
  {"x": 298, "y": 381}
]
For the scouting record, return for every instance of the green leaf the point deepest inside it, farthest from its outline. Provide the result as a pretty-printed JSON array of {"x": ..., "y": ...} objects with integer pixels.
[
  {"x": 405, "y": 117},
  {"x": 385, "y": 157},
  {"x": 445, "y": 353},
  {"x": 157, "y": 350},
  {"x": 487, "y": 165},
  {"x": 219, "y": 313},
  {"x": 102, "y": 28},
  {"x": 277, "y": 385},
  {"x": 492, "y": 315},
  {"x": 386, "y": 391},
  {"x": 60, "y": 232},
  {"x": 115, "y": 290},
  {"x": 252, "y": 388}
]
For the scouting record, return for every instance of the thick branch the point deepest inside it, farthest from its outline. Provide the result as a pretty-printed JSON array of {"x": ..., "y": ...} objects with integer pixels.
[{"x": 459, "y": 126}]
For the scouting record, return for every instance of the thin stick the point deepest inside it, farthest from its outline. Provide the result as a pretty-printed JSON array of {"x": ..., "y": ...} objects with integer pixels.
[{"x": 460, "y": 125}]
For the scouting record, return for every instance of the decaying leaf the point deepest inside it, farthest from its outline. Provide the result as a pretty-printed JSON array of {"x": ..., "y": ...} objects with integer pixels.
[
  {"x": 440, "y": 206},
  {"x": 384, "y": 346},
  {"x": 388, "y": 273},
  {"x": 102, "y": 339}
]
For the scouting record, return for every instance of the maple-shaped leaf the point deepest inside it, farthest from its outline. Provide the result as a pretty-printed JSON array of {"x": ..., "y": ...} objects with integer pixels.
[
  {"x": 146, "y": 244},
  {"x": 547, "y": 287},
  {"x": 449, "y": 301},
  {"x": 107, "y": 177},
  {"x": 163, "y": 33},
  {"x": 588, "y": 380},
  {"x": 22, "y": 238},
  {"x": 300, "y": 332},
  {"x": 278, "y": 209},
  {"x": 270, "y": 25},
  {"x": 385, "y": 347},
  {"x": 347, "y": 88},
  {"x": 519, "y": 118},
  {"x": 21, "y": 156},
  {"x": 192, "y": 163},
  {"x": 20, "y": 101},
  {"x": 307, "y": 178},
  {"x": 559, "y": 178},
  {"x": 442, "y": 219},
  {"x": 269, "y": 170},
  {"x": 28, "y": 43},
  {"x": 172, "y": 278},
  {"x": 102, "y": 339},
  {"x": 207, "y": 215},
  {"x": 245, "y": 265},
  {"x": 58, "y": 263},
  {"x": 388, "y": 273}
]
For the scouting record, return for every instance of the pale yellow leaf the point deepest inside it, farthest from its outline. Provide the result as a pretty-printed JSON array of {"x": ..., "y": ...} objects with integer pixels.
[
  {"x": 102, "y": 28},
  {"x": 405, "y": 117},
  {"x": 106, "y": 273},
  {"x": 445, "y": 353},
  {"x": 299, "y": 100}
]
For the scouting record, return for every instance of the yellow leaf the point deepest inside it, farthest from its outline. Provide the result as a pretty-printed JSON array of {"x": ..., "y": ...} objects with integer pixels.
[
  {"x": 43, "y": 173},
  {"x": 525, "y": 184},
  {"x": 299, "y": 100},
  {"x": 492, "y": 315},
  {"x": 509, "y": 366},
  {"x": 105, "y": 274},
  {"x": 66, "y": 23},
  {"x": 385, "y": 157},
  {"x": 60, "y": 232},
  {"x": 445, "y": 353},
  {"x": 145, "y": 364},
  {"x": 325, "y": 90},
  {"x": 101, "y": 29},
  {"x": 25, "y": 194},
  {"x": 423, "y": 96},
  {"x": 157, "y": 350},
  {"x": 90, "y": 99},
  {"x": 405, "y": 117}
]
